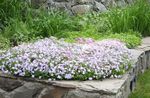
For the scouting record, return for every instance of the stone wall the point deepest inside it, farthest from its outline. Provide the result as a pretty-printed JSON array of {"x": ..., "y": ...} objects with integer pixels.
[
  {"x": 19, "y": 87},
  {"x": 81, "y": 6}
]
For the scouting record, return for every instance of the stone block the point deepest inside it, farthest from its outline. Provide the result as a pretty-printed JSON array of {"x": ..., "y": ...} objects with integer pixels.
[
  {"x": 84, "y": 1},
  {"x": 109, "y": 3},
  {"x": 53, "y": 92},
  {"x": 81, "y": 9},
  {"x": 148, "y": 59},
  {"x": 2, "y": 93},
  {"x": 28, "y": 90},
  {"x": 121, "y": 3},
  {"x": 99, "y": 7},
  {"x": 61, "y": 0},
  {"x": 9, "y": 84},
  {"x": 81, "y": 94},
  {"x": 143, "y": 63}
]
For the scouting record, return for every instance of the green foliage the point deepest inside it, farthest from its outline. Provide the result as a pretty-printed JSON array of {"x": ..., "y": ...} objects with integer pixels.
[
  {"x": 130, "y": 38},
  {"x": 11, "y": 9},
  {"x": 135, "y": 17},
  {"x": 4, "y": 43},
  {"x": 94, "y": 22},
  {"x": 52, "y": 23},
  {"x": 19, "y": 22},
  {"x": 142, "y": 89},
  {"x": 72, "y": 36},
  {"x": 39, "y": 24}
]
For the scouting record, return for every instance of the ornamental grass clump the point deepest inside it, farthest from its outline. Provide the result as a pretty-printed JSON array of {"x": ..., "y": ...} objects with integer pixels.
[{"x": 57, "y": 60}]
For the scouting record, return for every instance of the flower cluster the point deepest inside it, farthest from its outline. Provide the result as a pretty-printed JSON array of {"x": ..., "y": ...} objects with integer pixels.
[{"x": 57, "y": 60}]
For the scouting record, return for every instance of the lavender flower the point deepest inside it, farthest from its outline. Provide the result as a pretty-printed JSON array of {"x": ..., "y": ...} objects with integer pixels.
[{"x": 53, "y": 59}]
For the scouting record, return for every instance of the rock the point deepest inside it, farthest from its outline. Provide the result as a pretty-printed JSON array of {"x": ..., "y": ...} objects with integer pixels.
[
  {"x": 28, "y": 90},
  {"x": 61, "y": 6},
  {"x": 121, "y": 3},
  {"x": 98, "y": 0},
  {"x": 84, "y": 1},
  {"x": 46, "y": 93},
  {"x": 80, "y": 94},
  {"x": 80, "y": 9},
  {"x": 109, "y": 3},
  {"x": 148, "y": 60},
  {"x": 99, "y": 7},
  {"x": 9, "y": 84},
  {"x": 53, "y": 92},
  {"x": 129, "y": 1},
  {"x": 2, "y": 93},
  {"x": 61, "y": 0}
]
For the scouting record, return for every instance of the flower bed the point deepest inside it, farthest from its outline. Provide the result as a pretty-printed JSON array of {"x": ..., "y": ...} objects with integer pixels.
[{"x": 57, "y": 60}]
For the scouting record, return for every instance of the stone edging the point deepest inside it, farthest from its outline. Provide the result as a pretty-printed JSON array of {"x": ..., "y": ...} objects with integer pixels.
[{"x": 18, "y": 87}]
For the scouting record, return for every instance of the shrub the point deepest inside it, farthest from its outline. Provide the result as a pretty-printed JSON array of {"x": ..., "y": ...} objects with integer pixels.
[
  {"x": 52, "y": 59},
  {"x": 72, "y": 36},
  {"x": 4, "y": 43},
  {"x": 130, "y": 39}
]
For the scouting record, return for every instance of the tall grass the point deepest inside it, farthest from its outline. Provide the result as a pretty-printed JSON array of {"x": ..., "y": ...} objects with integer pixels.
[
  {"x": 23, "y": 23},
  {"x": 19, "y": 22},
  {"x": 11, "y": 9},
  {"x": 135, "y": 17}
]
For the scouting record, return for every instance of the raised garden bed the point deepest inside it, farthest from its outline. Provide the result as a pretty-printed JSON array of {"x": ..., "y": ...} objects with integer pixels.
[{"x": 19, "y": 87}]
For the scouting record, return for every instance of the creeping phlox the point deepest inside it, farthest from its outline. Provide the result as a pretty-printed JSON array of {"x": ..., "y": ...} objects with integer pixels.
[{"x": 54, "y": 59}]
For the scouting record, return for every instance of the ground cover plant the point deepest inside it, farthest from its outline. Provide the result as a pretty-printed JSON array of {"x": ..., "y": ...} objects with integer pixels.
[{"x": 57, "y": 60}]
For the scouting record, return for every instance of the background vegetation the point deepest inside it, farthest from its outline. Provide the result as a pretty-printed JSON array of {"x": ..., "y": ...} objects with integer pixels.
[{"x": 20, "y": 22}]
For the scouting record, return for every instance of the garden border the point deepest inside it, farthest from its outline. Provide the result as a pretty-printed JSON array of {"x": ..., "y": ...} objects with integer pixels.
[{"x": 19, "y": 87}]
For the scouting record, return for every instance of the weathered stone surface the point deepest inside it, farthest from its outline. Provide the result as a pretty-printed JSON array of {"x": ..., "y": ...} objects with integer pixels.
[
  {"x": 129, "y": 1},
  {"x": 2, "y": 93},
  {"x": 99, "y": 7},
  {"x": 148, "y": 60},
  {"x": 80, "y": 9},
  {"x": 28, "y": 90},
  {"x": 61, "y": 0},
  {"x": 120, "y": 3},
  {"x": 81, "y": 94},
  {"x": 109, "y": 3},
  {"x": 84, "y": 1},
  {"x": 46, "y": 93},
  {"x": 9, "y": 84},
  {"x": 53, "y": 92},
  {"x": 61, "y": 6}
]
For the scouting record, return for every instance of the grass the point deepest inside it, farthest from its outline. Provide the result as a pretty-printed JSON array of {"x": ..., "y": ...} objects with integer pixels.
[
  {"x": 19, "y": 22},
  {"x": 143, "y": 86},
  {"x": 134, "y": 17}
]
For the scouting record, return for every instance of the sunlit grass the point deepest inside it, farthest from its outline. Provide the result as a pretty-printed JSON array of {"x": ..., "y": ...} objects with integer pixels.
[{"x": 142, "y": 89}]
